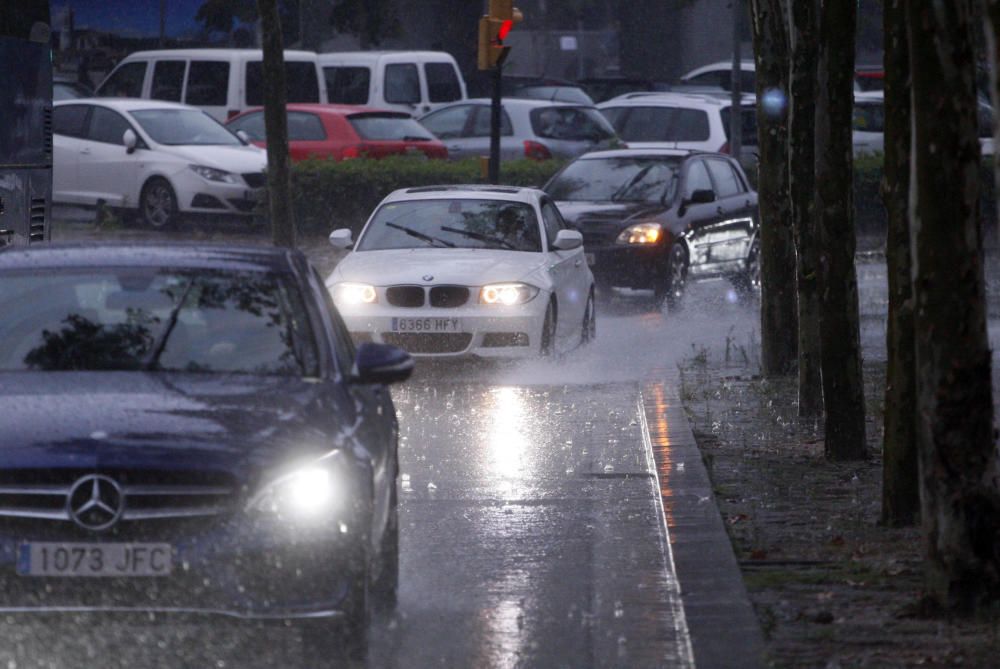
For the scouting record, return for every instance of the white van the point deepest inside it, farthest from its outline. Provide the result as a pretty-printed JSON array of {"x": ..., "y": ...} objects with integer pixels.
[
  {"x": 411, "y": 81},
  {"x": 223, "y": 82}
]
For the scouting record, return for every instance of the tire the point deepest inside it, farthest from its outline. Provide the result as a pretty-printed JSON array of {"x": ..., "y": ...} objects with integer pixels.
[
  {"x": 747, "y": 284},
  {"x": 384, "y": 589},
  {"x": 342, "y": 642},
  {"x": 672, "y": 285},
  {"x": 546, "y": 349},
  {"x": 589, "y": 332},
  {"x": 158, "y": 204}
]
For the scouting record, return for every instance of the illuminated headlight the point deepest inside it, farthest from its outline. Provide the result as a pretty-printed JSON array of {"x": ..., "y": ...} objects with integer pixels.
[
  {"x": 351, "y": 294},
  {"x": 507, "y": 294},
  {"x": 212, "y": 174},
  {"x": 302, "y": 494},
  {"x": 641, "y": 233}
]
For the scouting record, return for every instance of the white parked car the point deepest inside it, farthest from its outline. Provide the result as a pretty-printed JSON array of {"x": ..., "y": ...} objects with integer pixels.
[
  {"x": 159, "y": 159},
  {"x": 489, "y": 271}
]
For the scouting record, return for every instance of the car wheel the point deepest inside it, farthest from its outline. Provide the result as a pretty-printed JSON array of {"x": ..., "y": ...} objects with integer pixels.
[
  {"x": 670, "y": 290},
  {"x": 386, "y": 585},
  {"x": 747, "y": 284},
  {"x": 324, "y": 643},
  {"x": 548, "y": 331},
  {"x": 158, "y": 204},
  {"x": 589, "y": 332}
]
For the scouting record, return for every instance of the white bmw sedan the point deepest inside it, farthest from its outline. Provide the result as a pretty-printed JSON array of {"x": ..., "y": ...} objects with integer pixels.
[
  {"x": 162, "y": 159},
  {"x": 488, "y": 271}
]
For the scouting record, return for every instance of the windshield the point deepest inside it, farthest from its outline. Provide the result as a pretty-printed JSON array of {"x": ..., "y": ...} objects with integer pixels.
[
  {"x": 131, "y": 319},
  {"x": 389, "y": 127},
  {"x": 579, "y": 124},
  {"x": 638, "y": 179},
  {"x": 453, "y": 223},
  {"x": 177, "y": 127}
]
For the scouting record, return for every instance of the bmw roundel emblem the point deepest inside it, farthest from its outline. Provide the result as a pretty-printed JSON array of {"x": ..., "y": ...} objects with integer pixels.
[{"x": 427, "y": 277}]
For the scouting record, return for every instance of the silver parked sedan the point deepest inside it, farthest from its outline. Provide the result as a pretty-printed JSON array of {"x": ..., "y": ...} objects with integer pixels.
[{"x": 536, "y": 129}]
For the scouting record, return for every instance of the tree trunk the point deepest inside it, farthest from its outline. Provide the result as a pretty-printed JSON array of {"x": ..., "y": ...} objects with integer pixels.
[
  {"x": 843, "y": 390},
  {"x": 960, "y": 500},
  {"x": 802, "y": 188},
  {"x": 900, "y": 490},
  {"x": 276, "y": 126},
  {"x": 991, "y": 28},
  {"x": 778, "y": 316}
]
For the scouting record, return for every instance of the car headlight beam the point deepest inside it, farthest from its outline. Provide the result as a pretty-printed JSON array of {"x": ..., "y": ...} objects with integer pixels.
[
  {"x": 507, "y": 294},
  {"x": 641, "y": 234},
  {"x": 213, "y": 174},
  {"x": 304, "y": 493},
  {"x": 353, "y": 294}
]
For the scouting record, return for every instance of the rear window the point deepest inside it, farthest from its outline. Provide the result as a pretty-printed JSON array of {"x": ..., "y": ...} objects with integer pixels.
[
  {"x": 571, "y": 124},
  {"x": 305, "y": 127},
  {"x": 660, "y": 124},
  {"x": 442, "y": 82},
  {"x": 301, "y": 82},
  {"x": 388, "y": 127},
  {"x": 208, "y": 83},
  {"x": 749, "y": 132},
  {"x": 347, "y": 85}
]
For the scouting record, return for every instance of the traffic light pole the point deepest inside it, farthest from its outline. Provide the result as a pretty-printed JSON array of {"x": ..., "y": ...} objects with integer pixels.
[{"x": 494, "y": 164}]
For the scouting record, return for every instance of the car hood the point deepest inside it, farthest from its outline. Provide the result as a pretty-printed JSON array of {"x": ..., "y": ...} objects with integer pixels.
[
  {"x": 466, "y": 267},
  {"x": 111, "y": 420},
  {"x": 583, "y": 214},
  {"x": 236, "y": 159}
]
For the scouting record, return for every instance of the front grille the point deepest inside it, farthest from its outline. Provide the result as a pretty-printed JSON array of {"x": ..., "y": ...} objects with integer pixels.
[
  {"x": 255, "y": 179},
  {"x": 429, "y": 342},
  {"x": 43, "y": 494},
  {"x": 405, "y": 296},
  {"x": 599, "y": 233},
  {"x": 37, "y": 228},
  {"x": 449, "y": 297}
]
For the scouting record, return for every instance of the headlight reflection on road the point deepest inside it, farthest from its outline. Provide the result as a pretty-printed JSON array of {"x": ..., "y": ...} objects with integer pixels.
[{"x": 507, "y": 437}]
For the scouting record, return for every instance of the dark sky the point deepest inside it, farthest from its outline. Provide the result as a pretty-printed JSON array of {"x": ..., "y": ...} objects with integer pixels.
[{"x": 129, "y": 17}]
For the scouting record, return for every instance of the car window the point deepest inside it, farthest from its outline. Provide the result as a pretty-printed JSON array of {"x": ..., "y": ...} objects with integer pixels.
[
  {"x": 125, "y": 82},
  {"x": 442, "y": 82},
  {"x": 252, "y": 124},
  {"x": 661, "y": 124},
  {"x": 555, "y": 94},
  {"x": 208, "y": 83},
  {"x": 570, "y": 124},
  {"x": 748, "y": 116},
  {"x": 301, "y": 82},
  {"x": 343, "y": 345},
  {"x": 453, "y": 223},
  {"x": 402, "y": 84},
  {"x": 107, "y": 126},
  {"x": 481, "y": 124},
  {"x": 622, "y": 179},
  {"x": 304, "y": 127},
  {"x": 553, "y": 222},
  {"x": 347, "y": 85},
  {"x": 387, "y": 126},
  {"x": 727, "y": 184},
  {"x": 66, "y": 91},
  {"x": 697, "y": 179},
  {"x": 179, "y": 127},
  {"x": 168, "y": 80},
  {"x": 156, "y": 320},
  {"x": 448, "y": 123},
  {"x": 712, "y": 78},
  {"x": 68, "y": 120},
  {"x": 869, "y": 117}
]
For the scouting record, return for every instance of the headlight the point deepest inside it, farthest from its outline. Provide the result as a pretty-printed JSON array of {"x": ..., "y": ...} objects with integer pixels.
[
  {"x": 302, "y": 494},
  {"x": 212, "y": 174},
  {"x": 351, "y": 294},
  {"x": 507, "y": 294},
  {"x": 641, "y": 233}
]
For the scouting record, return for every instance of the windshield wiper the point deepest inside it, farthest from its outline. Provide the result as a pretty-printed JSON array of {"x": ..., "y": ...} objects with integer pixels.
[
  {"x": 154, "y": 359},
  {"x": 481, "y": 237},
  {"x": 419, "y": 235},
  {"x": 627, "y": 186}
]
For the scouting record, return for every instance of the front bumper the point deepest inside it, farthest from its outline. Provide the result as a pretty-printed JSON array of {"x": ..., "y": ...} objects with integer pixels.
[
  {"x": 642, "y": 267},
  {"x": 201, "y": 196},
  {"x": 486, "y": 331}
]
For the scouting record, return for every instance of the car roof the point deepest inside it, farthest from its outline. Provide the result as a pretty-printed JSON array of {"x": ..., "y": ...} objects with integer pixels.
[
  {"x": 640, "y": 153},
  {"x": 672, "y": 99},
  {"x": 126, "y": 104},
  {"x": 159, "y": 254},
  {"x": 336, "y": 109},
  {"x": 216, "y": 54},
  {"x": 467, "y": 192},
  {"x": 529, "y": 103},
  {"x": 746, "y": 65},
  {"x": 375, "y": 55}
]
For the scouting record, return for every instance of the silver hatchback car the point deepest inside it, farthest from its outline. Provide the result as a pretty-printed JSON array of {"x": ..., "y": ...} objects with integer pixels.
[{"x": 536, "y": 129}]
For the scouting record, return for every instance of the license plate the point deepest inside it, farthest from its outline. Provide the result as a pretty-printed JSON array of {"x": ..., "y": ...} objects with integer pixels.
[
  {"x": 93, "y": 559},
  {"x": 426, "y": 325},
  {"x": 590, "y": 259}
]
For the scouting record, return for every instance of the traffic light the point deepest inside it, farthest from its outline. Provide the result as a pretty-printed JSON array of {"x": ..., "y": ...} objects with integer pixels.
[{"x": 493, "y": 30}]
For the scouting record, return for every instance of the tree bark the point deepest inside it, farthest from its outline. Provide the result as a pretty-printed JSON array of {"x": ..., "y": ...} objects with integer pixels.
[
  {"x": 802, "y": 188},
  {"x": 900, "y": 486},
  {"x": 991, "y": 28},
  {"x": 960, "y": 500},
  {"x": 843, "y": 390},
  {"x": 778, "y": 315},
  {"x": 276, "y": 126}
]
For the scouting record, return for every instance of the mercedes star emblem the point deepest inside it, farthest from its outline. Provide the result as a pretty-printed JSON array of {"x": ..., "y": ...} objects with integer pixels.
[
  {"x": 95, "y": 502},
  {"x": 427, "y": 277}
]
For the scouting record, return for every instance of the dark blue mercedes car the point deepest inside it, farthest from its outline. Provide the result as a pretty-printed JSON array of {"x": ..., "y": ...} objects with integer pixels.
[{"x": 190, "y": 429}]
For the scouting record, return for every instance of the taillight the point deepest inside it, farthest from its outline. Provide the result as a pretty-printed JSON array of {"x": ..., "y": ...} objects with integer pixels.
[
  {"x": 724, "y": 148},
  {"x": 351, "y": 152},
  {"x": 536, "y": 151},
  {"x": 231, "y": 113}
]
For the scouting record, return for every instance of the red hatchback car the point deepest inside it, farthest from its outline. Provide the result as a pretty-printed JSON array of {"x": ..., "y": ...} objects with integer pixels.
[{"x": 344, "y": 131}]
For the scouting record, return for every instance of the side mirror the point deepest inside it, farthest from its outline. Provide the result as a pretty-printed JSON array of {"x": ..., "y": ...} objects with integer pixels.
[
  {"x": 702, "y": 196},
  {"x": 341, "y": 238},
  {"x": 381, "y": 363},
  {"x": 568, "y": 239},
  {"x": 244, "y": 137},
  {"x": 130, "y": 140}
]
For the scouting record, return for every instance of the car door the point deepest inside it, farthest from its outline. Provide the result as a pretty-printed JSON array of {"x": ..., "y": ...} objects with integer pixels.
[
  {"x": 478, "y": 136},
  {"x": 568, "y": 271},
  {"x": 731, "y": 235},
  {"x": 107, "y": 170},
  {"x": 698, "y": 217},
  {"x": 450, "y": 126},
  {"x": 69, "y": 127}
]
